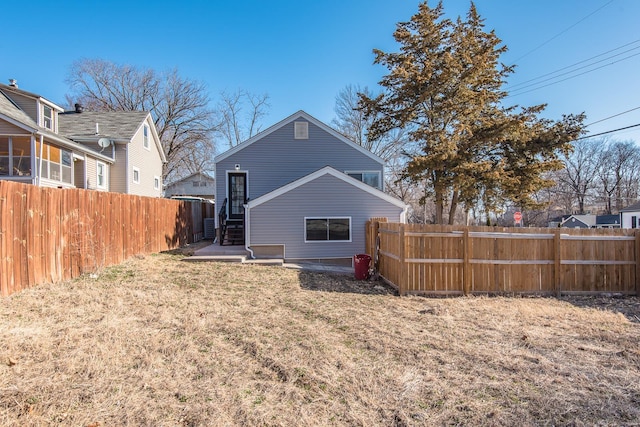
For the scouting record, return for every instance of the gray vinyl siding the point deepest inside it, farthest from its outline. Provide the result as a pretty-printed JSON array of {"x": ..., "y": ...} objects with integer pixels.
[
  {"x": 278, "y": 159},
  {"x": 281, "y": 219}
]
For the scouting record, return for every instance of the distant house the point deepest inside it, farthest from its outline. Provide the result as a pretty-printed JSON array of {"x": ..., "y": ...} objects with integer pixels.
[
  {"x": 608, "y": 221},
  {"x": 300, "y": 190},
  {"x": 579, "y": 221},
  {"x": 41, "y": 144},
  {"x": 630, "y": 216},
  {"x": 197, "y": 185}
]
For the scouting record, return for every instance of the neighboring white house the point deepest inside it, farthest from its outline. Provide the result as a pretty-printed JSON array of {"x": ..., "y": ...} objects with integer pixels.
[
  {"x": 631, "y": 216},
  {"x": 301, "y": 190},
  {"x": 43, "y": 145}
]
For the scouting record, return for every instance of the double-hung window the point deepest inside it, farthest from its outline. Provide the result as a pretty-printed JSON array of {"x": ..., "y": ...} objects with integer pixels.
[
  {"x": 101, "y": 178},
  {"x": 47, "y": 117},
  {"x": 145, "y": 136},
  {"x": 327, "y": 229}
]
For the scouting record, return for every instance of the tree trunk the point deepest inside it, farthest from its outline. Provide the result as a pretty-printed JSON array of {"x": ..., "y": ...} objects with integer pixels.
[
  {"x": 454, "y": 207},
  {"x": 439, "y": 206}
]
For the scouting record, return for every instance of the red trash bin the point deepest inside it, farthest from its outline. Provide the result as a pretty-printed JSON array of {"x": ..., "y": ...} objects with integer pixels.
[{"x": 361, "y": 266}]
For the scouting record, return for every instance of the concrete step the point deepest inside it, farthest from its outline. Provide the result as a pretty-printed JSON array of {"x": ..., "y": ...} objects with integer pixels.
[
  {"x": 216, "y": 258},
  {"x": 269, "y": 261}
]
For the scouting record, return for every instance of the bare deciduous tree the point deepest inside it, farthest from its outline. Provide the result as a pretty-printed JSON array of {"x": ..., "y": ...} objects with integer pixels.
[
  {"x": 179, "y": 106},
  {"x": 239, "y": 114},
  {"x": 352, "y": 122},
  {"x": 580, "y": 171}
]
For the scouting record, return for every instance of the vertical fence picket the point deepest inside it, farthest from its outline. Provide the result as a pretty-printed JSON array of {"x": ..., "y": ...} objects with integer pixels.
[{"x": 51, "y": 234}]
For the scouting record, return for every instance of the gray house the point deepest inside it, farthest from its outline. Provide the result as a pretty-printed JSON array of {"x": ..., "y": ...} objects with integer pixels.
[{"x": 300, "y": 191}]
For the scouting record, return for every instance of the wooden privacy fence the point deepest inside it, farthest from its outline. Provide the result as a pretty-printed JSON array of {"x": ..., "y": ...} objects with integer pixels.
[
  {"x": 431, "y": 259},
  {"x": 50, "y": 234}
]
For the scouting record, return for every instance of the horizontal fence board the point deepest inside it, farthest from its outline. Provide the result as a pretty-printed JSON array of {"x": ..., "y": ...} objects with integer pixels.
[
  {"x": 434, "y": 259},
  {"x": 51, "y": 234}
]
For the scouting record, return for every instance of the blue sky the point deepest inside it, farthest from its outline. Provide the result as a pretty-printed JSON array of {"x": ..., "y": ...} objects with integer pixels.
[{"x": 302, "y": 53}]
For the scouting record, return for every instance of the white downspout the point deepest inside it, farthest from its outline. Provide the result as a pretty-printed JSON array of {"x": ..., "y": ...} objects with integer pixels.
[{"x": 247, "y": 235}]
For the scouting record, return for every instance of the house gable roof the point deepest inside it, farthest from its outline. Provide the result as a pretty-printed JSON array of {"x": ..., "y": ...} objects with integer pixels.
[
  {"x": 586, "y": 220},
  {"x": 291, "y": 118},
  {"x": 327, "y": 170},
  {"x": 13, "y": 114},
  {"x": 635, "y": 207},
  {"x": 35, "y": 96},
  {"x": 119, "y": 126}
]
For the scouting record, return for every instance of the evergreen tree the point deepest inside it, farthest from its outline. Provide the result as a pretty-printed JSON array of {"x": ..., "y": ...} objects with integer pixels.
[{"x": 444, "y": 88}]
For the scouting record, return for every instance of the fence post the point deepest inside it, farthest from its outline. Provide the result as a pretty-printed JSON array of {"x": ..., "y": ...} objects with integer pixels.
[
  {"x": 637, "y": 260},
  {"x": 466, "y": 267},
  {"x": 403, "y": 275},
  {"x": 556, "y": 258}
]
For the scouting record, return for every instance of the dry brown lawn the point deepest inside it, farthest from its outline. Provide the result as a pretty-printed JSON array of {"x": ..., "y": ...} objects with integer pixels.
[{"x": 161, "y": 342}]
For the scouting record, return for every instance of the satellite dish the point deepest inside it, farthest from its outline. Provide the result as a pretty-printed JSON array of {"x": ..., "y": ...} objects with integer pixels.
[{"x": 104, "y": 142}]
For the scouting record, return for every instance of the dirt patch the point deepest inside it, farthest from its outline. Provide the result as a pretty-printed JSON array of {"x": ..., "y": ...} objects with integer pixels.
[{"x": 157, "y": 341}]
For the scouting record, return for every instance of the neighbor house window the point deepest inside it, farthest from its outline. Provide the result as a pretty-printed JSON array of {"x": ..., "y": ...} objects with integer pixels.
[
  {"x": 56, "y": 163},
  {"x": 327, "y": 229},
  {"x": 372, "y": 178},
  {"x": 15, "y": 156},
  {"x": 199, "y": 183},
  {"x": 101, "y": 178},
  {"x": 47, "y": 117},
  {"x": 145, "y": 136},
  {"x": 156, "y": 182},
  {"x": 136, "y": 175}
]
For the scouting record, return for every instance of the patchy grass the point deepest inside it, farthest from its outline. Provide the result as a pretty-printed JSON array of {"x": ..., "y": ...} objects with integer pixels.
[{"x": 156, "y": 341}]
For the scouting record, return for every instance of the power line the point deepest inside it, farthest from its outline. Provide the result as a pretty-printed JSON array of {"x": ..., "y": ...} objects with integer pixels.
[
  {"x": 607, "y": 132},
  {"x": 562, "y": 32},
  {"x": 611, "y": 117},
  {"x": 571, "y": 77},
  {"x": 515, "y": 86}
]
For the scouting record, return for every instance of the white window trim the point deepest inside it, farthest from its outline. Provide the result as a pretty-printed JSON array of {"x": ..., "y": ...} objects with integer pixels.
[
  {"x": 44, "y": 118},
  {"x": 304, "y": 229},
  {"x": 133, "y": 176},
  {"x": 157, "y": 183},
  {"x": 146, "y": 139},
  {"x": 368, "y": 171},
  {"x": 104, "y": 177}
]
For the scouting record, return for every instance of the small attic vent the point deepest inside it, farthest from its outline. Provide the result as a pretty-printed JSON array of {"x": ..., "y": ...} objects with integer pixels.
[{"x": 301, "y": 130}]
